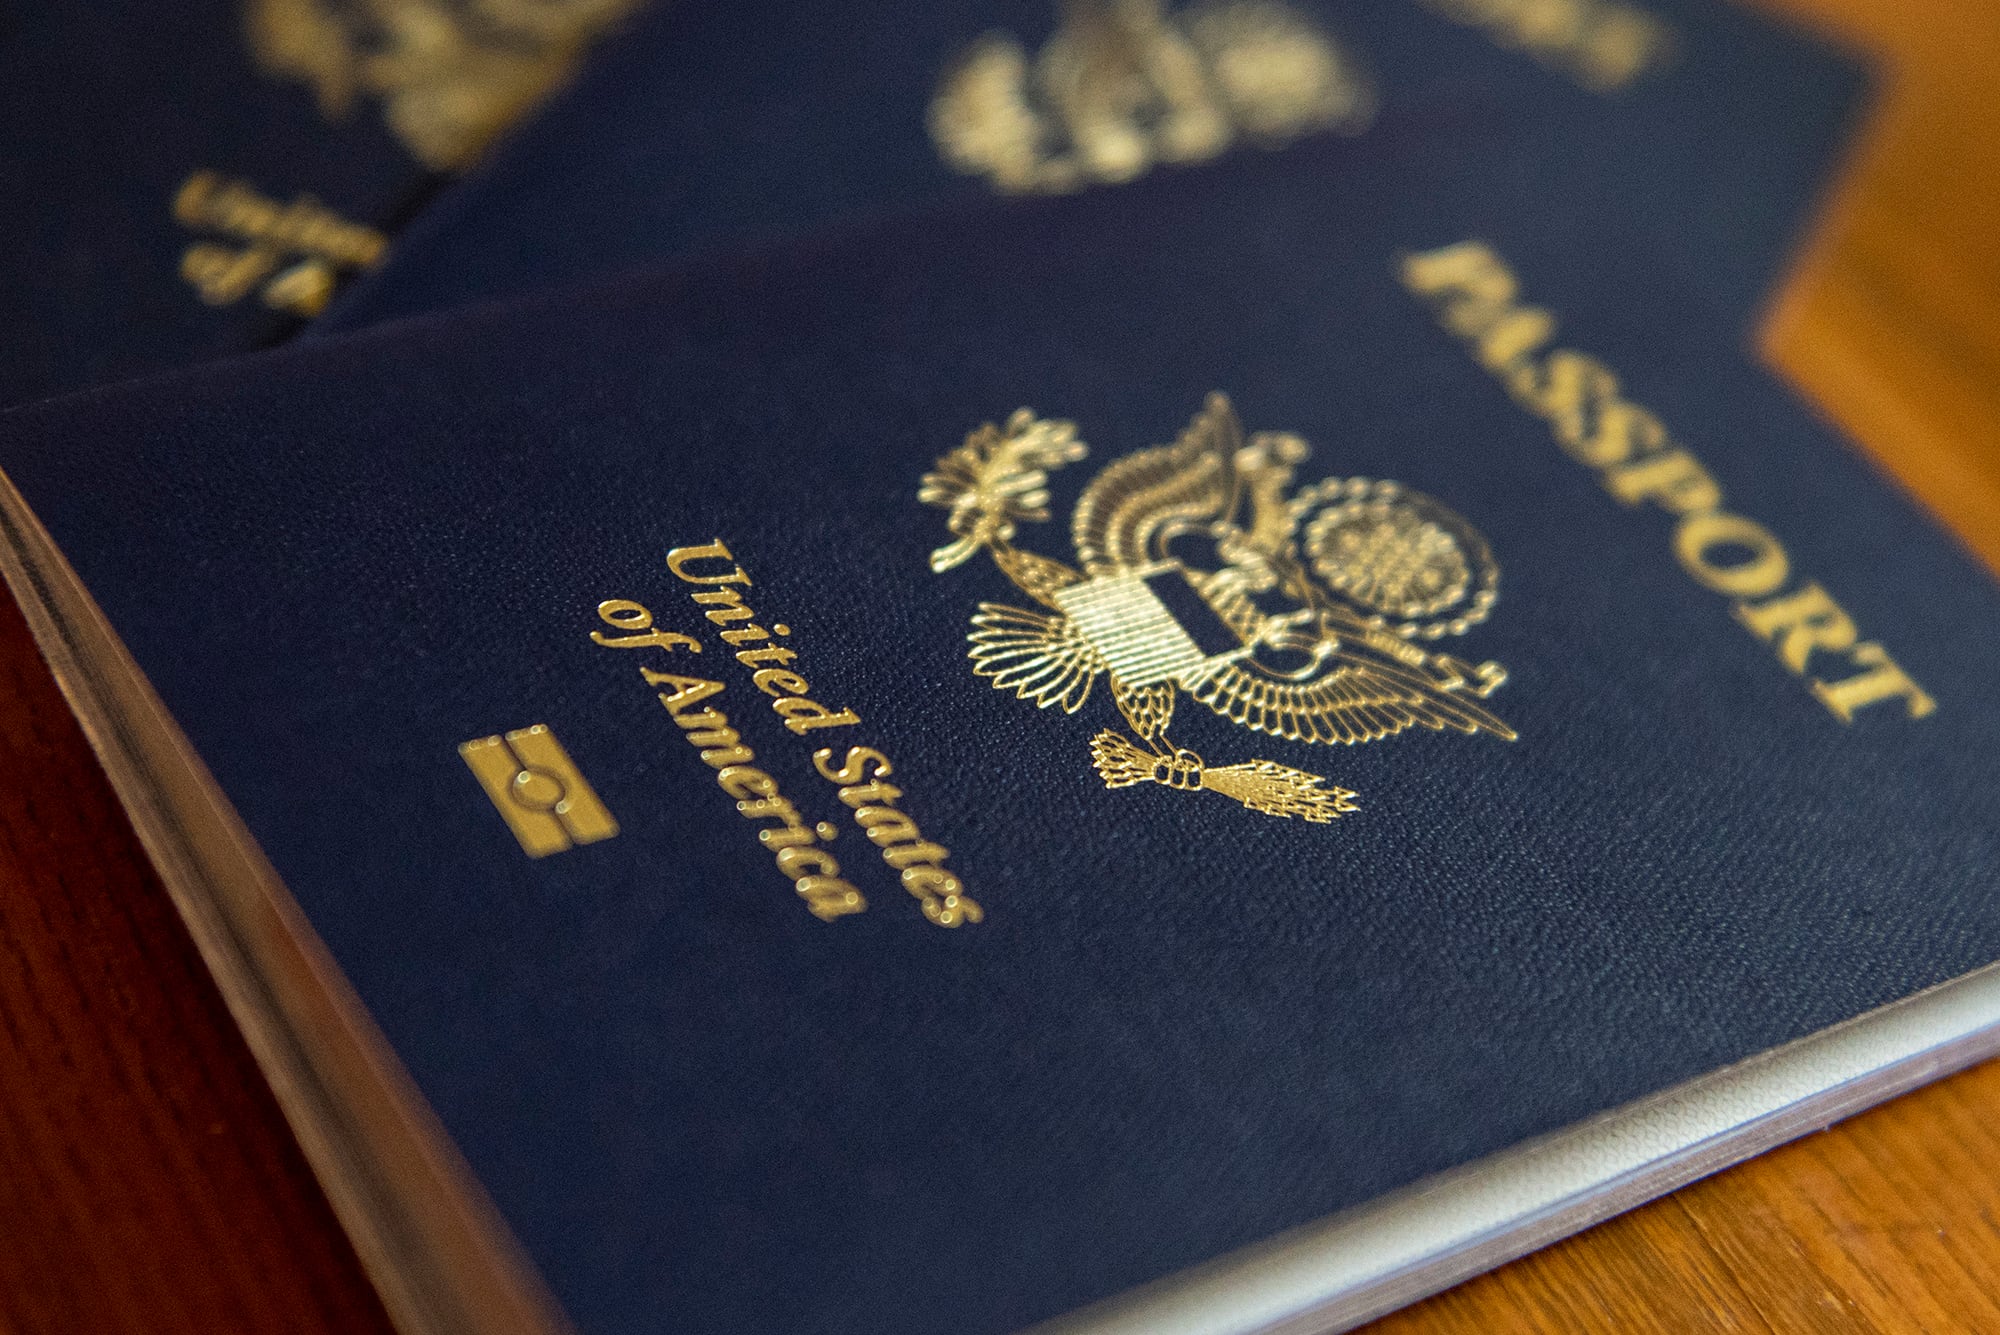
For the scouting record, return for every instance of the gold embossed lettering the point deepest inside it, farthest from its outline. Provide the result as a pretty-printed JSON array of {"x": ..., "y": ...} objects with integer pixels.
[
  {"x": 777, "y": 681},
  {"x": 710, "y": 730},
  {"x": 886, "y": 825},
  {"x": 1475, "y": 286},
  {"x": 1624, "y": 429},
  {"x": 1672, "y": 479},
  {"x": 1701, "y": 537},
  {"x": 807, "y": 861},
  {"x": 890, "y": 828},
  {"x": 303, "y": 288},
  {"x": 793, "y": 834},
  {"x": 791, "y": 841},
  {"x": 1568, "y": 389},
  {"x": 1505, "y": 341},
  {"x": 685, "y": 690},
  {"x": 861, "y": 762},
  {"x": 802, "y": 716},
  {"x": 1475, "y": 296},
  {"x": 726, "y": 605},
  {"x": 628, "y": 615},
  {"x": 860, "y": 795},
  {"x": 943, "y": 896},
  {"x": 1801, "y": 622},
  {"x": 292, "y": 255},
  {"x": 1883, "y": 680},
  {"x": 744, "y": 783},
  {"x": 1579, "y": 396},
  {"x": 681, "y": 557},
  {"x": 911, "y": 854},
  {"x": 829, "y": 897},
  {"x": 222, "y": 276}
]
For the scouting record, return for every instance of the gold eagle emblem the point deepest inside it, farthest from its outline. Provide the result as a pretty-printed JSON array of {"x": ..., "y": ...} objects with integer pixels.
[
  {"x": 1302, "y": 616},
  {"x": 1123, "y": 85},
  {"x": 450, "y": 74}
]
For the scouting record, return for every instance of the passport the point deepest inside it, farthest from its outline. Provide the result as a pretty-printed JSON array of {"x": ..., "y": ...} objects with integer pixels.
[
  {"x": 707, "y": 128},
  {"x": 1216, "y": 755},
  {"x": 198, "y": 178}
]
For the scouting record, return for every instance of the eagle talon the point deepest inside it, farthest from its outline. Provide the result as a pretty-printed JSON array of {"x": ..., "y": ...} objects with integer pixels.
[{"x": 1182, "y": 769}]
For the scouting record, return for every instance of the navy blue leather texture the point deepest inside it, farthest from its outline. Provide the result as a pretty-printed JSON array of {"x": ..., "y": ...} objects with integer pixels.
[
  {"x": 710, "y": 127},
  {"x": 1182, "y": 1026},
  {"x": 106, "y": 109}
]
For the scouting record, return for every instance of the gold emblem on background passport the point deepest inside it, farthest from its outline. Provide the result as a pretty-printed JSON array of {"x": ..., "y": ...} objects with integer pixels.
[
  {"x": 1300, "y": 616},
  {"x": 450, "y": 74},
  {"x": 1126, "y": 84},
  {"x": 538, "y": 790}
]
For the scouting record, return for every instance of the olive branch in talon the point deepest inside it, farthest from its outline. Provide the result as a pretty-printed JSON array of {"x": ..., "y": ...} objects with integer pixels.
[
  {"x": 998, "y": 478},
  {"x": 1381, "y": 567}
]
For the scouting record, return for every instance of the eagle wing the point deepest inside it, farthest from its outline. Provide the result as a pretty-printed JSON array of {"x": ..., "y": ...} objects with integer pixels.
[
  {"x": 1149, "y": 709},
  {"x": 1362, "y": 699},
  {"x": 1121, "y": 517},
  {"x": 1039, "y": 658}
]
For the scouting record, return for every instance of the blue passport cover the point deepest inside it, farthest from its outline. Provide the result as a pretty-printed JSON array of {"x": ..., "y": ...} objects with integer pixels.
[
  {"x": 195, "y": 178},
  {"x": 706, "y": 127},
  {"x": 1734, "y": 787}
]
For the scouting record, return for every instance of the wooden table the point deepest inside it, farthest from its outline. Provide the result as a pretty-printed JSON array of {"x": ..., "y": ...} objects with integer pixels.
[{"x": 148, "y": 1183}]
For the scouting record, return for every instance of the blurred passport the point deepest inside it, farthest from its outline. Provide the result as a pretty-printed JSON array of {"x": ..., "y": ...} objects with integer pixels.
[
  {"x": 1211, "y": 756},
  {"x": 196, "y": 178},
  {"x": 707, "y": 127}
]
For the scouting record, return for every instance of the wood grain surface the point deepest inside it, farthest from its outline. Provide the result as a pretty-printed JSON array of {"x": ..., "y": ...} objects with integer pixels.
[
  {"x": 147, "y": 1180},
  {"x": 1891, "y": 320},
  {"x": 148, "y": 1183}
]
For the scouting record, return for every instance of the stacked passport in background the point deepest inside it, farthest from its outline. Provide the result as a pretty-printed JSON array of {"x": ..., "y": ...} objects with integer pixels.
[
  {"x": 709, "y": 127},
  {"x": 1168, "y": 674},
  {"x": 195, "y": 179}
]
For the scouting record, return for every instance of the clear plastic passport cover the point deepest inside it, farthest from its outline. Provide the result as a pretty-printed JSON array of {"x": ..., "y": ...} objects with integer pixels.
[
  {"x": 707, "y": 127},
  {"x": 930, "y": 779}
]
